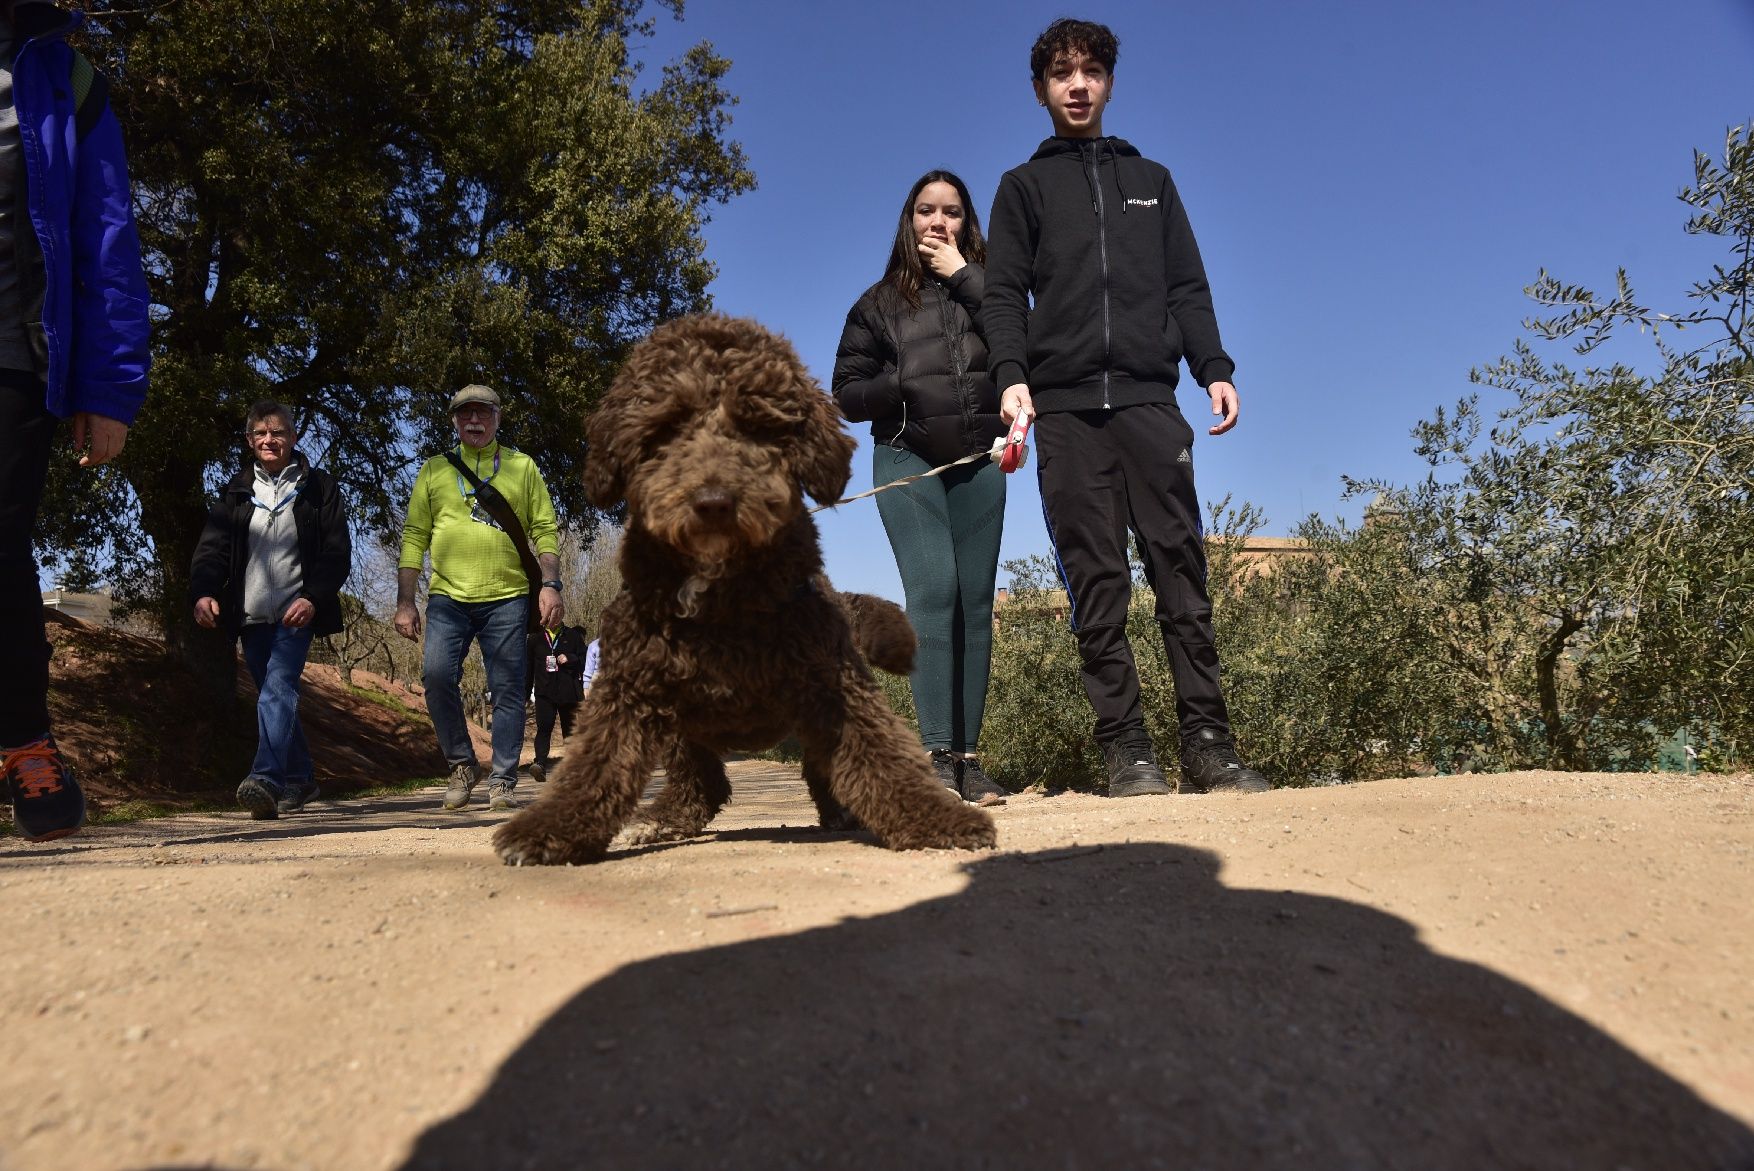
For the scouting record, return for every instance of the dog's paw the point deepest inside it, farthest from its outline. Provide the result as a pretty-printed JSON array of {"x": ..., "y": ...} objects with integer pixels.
[
  {"x": 646, "y": 833},
  {"x": 529, "y": 840},
  {"x": 838, "y": 820},
  {"x": 963, "y": 827}
]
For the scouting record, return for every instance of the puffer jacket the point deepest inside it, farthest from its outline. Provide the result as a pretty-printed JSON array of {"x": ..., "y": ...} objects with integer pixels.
[{"x": 920, "y": 375}]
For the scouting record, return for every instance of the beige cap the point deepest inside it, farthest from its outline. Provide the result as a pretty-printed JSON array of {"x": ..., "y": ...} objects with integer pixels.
[{"x": 474, "y": 393}]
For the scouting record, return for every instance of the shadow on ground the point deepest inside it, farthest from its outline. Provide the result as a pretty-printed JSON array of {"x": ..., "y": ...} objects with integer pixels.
[{"x": 1115, "y": 1008}]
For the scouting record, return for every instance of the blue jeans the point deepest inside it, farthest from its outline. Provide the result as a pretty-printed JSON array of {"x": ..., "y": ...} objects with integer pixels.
[
  {"x": 275, "y": 655},
  {"x": 499, "y": 626}
]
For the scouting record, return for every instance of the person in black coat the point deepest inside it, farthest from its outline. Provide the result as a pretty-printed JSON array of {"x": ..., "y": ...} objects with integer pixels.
[
  {"x": 913, "y": 363},
  {"x": 269, "y": 570},
  {"x": 556, "y": 672}
]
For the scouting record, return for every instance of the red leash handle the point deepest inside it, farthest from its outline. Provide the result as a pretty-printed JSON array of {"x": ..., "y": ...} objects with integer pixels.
[{"x": 1015, "y": 449}]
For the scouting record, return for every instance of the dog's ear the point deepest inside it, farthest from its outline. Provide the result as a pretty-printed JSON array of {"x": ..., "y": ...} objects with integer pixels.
[
  {"x": 823, "y": 452},
  {"x": 605, "y": 481}
]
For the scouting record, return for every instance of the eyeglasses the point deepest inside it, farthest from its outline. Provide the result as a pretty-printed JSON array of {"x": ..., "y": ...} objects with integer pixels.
[{"x": 475, "y": 411}]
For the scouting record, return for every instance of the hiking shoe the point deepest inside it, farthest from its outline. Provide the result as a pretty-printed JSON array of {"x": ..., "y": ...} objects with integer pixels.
[
  {"x": 538, "y": 773},
  {"x": 464, "y": 778},
  {"x": 1132, "y": 768},
  {"x": 945, "y": 765},
  {"x": 978, "y": 787},
  {"x": 1210, "y": 765},
  {"x": 500, "y": 797},
  {"x": 260, "y": 798},
  {"x": 46, "y": 801},
  {"x": 297, "y": 795}
]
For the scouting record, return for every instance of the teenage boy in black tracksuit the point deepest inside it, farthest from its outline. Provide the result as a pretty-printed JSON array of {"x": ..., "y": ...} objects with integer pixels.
[{"x": 1099, "y": 236}]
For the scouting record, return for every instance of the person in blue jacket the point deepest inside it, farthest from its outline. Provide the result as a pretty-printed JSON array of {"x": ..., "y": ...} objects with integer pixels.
[{"x": 73, "y": 345}]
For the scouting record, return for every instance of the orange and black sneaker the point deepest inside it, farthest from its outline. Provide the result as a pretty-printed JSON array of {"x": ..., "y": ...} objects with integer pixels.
[{"x": 46, "y": 800}]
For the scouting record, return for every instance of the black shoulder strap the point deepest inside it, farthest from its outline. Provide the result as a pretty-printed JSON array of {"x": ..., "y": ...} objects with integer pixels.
[{"x": 493, "y": 501}]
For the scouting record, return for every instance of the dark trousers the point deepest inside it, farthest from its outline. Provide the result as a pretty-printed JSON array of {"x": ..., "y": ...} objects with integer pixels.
[
  {"x": 1103, "y": 473},
  {"x": 26, "y": 431},
  {"x": 546, "y": 710}
]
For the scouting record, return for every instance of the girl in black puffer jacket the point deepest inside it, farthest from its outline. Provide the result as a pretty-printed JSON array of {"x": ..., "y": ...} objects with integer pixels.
[{"x": 911, "y": 361}]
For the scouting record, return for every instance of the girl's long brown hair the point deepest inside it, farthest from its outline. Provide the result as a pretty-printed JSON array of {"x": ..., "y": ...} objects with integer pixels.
[{"x": 904, "y": 273}]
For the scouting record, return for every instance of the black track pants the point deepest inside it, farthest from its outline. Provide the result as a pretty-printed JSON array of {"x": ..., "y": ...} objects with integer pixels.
[
  {"x": 546, "y": 711},
  {"x": 26, "y": 429},
  {"x": 1101, "y": 474}
]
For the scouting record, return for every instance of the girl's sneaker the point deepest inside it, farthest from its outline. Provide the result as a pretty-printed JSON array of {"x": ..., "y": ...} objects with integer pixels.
[
  {"x": 978, "y": 787},
  {"x": 944, "y": 767},
  {"x": 46, "y": 801}
]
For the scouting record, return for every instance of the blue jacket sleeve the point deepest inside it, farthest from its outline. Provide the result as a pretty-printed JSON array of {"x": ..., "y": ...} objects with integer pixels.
[{"x": 110, "y": 321}]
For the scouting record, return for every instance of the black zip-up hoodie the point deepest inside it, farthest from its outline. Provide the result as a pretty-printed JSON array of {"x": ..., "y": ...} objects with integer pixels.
[{"x": 1098, "y": 234}]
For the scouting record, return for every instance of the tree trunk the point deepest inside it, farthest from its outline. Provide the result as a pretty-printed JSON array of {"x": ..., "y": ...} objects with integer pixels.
[
  {"x": 173, "y": 513},
  {"x": 1562, "y": 750}
]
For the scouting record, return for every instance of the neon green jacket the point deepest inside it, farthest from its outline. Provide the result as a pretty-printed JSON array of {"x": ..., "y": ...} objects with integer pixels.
[{"x": 473, "y": 561}]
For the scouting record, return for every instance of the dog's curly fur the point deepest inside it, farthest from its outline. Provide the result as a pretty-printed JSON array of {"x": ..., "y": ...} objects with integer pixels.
[{"x": 726, "y": 634}]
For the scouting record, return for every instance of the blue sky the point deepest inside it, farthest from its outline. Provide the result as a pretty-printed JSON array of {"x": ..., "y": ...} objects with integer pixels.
[{"x": 1372, "y": 184}]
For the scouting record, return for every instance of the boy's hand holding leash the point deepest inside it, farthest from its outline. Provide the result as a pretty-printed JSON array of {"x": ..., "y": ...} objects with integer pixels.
[{"x": 1017, "y": 409}]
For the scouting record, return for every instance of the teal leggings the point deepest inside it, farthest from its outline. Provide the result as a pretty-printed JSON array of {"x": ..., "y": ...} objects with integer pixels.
[{"x": 945, "y": 532}]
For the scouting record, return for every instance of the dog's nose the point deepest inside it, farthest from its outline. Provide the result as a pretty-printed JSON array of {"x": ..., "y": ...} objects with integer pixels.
[{"x": 713, "y": 504}]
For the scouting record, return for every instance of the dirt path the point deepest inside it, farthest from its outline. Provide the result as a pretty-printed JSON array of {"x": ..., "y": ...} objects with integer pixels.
[{"x": 1510, "y": 971}]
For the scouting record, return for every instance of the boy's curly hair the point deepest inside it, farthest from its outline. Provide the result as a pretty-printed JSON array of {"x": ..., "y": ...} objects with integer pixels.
[{"x": 1073, "y": 36}]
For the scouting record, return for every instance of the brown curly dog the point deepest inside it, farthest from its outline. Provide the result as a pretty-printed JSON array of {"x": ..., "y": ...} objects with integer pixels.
[{"x": 726, "y": 635}]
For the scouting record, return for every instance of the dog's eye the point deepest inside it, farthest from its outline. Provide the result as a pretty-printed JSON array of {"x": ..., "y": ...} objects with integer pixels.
[{"x": 660, "y": 432}]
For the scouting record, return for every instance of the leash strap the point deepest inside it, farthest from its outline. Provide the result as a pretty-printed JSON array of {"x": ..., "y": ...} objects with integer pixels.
[{"x": 1008, "y": 451}]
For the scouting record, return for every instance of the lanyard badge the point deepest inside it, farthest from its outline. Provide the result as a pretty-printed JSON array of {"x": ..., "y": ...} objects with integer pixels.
[{"x": 469, "y": 494}]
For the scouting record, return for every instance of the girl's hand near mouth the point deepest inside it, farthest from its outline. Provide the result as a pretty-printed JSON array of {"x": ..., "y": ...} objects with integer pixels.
[{"x": 941, "y": 256}]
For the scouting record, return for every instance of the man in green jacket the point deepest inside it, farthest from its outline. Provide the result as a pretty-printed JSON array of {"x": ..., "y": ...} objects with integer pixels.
[{"x": 478, "y": 590}]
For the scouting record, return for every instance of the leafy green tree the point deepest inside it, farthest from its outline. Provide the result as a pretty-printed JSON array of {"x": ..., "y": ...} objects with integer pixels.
[
  {"x": 1594, "y": 557},
  {"x": 357, "y": 207}
]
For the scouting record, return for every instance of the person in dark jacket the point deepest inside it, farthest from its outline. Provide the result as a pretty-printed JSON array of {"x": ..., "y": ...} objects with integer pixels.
[
  {"x": 1098, "y": 236},
  {"x": 269, "y": 571},
  {"x": 73, "y": 345},
  {"x": 556, "y": 673},
  {"x": 912, "y": 361}
]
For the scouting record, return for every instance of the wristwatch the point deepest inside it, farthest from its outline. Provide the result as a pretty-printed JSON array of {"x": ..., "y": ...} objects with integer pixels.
[{"x": 556, "y": 585}]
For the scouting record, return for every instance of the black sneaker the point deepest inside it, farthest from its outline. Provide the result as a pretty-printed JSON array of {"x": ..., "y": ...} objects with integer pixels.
[
  {"x": 945, "y": 765},
  {"x": 978, "y": 787},
  {"x": 1210, "y": 765},
  {"x": 538, "y": 771},
  {"x": 297, "y": 795},
  {"x": 46, "y": 801},
  {"x": 1132, "y": 768},
  {"x": 260, "y": 798}
]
